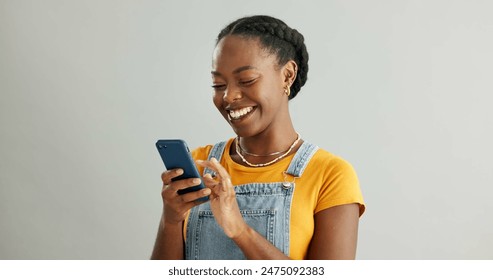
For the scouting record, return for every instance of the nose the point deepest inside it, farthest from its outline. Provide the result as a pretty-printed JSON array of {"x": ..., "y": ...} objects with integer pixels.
[{"x": 231, "y": 94}]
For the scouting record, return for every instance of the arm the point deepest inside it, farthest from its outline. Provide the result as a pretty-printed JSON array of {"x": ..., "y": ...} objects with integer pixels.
[
  {"x": 169, "y": 243},
  {"x": 334, "y": 238},
  {"x": 256, "y": 247},
  {"x": 336, "y": 233}
]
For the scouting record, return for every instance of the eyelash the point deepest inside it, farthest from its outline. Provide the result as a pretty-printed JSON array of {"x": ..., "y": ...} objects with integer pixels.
[
  {"x": 217, "y": 87},
  {"x": 242, "y": 83},
  {"x": 249, "y": 82}
]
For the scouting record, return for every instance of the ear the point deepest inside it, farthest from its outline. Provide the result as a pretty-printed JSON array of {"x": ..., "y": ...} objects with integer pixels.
[{"x": 290, "y": 70}]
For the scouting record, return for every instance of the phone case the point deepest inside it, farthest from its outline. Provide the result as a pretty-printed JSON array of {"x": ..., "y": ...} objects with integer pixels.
[{"x": 175, "y": 154}]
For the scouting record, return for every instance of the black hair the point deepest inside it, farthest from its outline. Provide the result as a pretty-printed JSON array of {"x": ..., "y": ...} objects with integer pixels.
[{"x": 276, "y": 37}]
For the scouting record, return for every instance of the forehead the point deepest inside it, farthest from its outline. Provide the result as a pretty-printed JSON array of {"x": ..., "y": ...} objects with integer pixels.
[{"x": 235, "y": 51}]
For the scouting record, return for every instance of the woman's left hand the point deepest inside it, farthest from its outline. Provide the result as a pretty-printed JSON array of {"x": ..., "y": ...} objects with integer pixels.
[{"x": 223, "y": 199}]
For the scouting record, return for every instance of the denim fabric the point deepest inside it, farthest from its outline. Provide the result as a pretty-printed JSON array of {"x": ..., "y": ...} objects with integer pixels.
[{"x": 264, "y": 206}]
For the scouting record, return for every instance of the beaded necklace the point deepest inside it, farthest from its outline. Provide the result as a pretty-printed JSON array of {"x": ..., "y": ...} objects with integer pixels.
[{"x": 238, "y": 151}]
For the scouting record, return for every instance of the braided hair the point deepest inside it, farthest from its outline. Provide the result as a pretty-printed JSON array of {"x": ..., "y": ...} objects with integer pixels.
[{"x": 277, "y": 38}]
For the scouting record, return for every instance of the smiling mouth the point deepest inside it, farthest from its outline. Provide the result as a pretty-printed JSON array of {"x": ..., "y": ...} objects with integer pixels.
[{"x": 237, "y": 114}]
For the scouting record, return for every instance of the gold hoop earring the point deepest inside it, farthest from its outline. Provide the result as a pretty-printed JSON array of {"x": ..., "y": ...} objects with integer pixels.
[{"x": 287, "y": 91}]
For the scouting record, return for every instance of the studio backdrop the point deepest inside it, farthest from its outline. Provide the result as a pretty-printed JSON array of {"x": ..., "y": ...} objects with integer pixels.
[{"x": 401, "y": 89}]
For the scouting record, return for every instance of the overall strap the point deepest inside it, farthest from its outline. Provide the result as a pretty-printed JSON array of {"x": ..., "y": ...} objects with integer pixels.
[
  {"x": 216, "y": 152},
  {"x": 301, "y": 159},
  {"x": 296, "y": 167}
]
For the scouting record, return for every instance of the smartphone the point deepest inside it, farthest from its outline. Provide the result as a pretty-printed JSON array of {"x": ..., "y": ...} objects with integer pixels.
[{"x": 175, "y": 154}]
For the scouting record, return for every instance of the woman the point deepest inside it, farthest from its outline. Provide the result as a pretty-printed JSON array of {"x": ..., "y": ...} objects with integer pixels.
[{"x": 272, "y": 195}]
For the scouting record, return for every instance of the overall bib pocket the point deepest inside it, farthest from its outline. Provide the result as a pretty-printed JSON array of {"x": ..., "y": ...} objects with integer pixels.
[{"x": 216, "y": 245}]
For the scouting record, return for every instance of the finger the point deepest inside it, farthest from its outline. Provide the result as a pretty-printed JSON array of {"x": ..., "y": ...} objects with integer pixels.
[
  {"x": 221, "y": 172},
  {"x": 190, "y": 205},
  {"x": 185, "y": 183},
  {"x": 193, "y": 196},
  {"x": 215, "y": 166},
  {"x": 204, "y": 163},
  {"x": 223, "y": 175},
  {"x": 167, "y": 175},
  {"x": 180, "y": 207},
  {"x": 209, "y": 181},
  {"x": 224, "y": 183},
  {"x": 187, "y": 200},
  {"x": 170, "y": 191},
  {"x": 214, "y": 187}
]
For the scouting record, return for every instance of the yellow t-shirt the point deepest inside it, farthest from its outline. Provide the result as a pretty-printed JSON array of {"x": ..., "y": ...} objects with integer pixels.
[{"x": 327, "y": 181}]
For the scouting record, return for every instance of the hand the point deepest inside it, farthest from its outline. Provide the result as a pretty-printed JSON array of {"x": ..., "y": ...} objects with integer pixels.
[
  {"x": 177, "y": 206},
  {"x": 223, "y": 200}
]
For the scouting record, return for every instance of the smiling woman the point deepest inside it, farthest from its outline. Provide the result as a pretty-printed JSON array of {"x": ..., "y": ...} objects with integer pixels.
[{"x": 272, "y": 195}]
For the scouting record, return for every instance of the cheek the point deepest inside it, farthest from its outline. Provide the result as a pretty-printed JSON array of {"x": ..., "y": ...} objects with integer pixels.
[
  {"x": 273, "y": 87},
  {"x": 217, "y": 100},
  {"x": 271, "y": 94}
]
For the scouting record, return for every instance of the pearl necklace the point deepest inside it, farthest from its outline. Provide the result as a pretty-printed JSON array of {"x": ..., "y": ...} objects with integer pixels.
[{"x": 238, "y": 151}]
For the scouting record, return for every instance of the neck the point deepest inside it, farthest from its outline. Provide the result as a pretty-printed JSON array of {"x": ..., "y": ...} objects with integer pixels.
[
  {"x": 269, "y": 142},
  {"x": 262, "y": 164}
]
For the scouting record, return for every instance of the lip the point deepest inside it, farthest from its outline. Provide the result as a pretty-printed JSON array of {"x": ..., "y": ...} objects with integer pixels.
[
  {"x": 238, "y": 107},
  {"x": 229, "y": 109}
]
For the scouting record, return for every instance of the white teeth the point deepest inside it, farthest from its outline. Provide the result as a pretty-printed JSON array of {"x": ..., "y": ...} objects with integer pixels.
[{"x": 236, "y": 114}]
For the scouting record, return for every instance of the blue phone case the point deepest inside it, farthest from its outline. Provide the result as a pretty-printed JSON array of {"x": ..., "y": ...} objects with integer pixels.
[{"x": 175, "y": 154}]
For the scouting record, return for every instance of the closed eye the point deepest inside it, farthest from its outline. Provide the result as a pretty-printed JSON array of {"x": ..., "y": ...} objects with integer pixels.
[
  {"x": 247, "y": 82},
  {"x": 218, "y": 86}
]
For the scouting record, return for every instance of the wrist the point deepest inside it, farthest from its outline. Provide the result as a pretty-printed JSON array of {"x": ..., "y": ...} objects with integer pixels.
[
  {"x": 171, "y": 223},
  {"x": 242, "y": 233},
  {"x": 172, "y": 218}
]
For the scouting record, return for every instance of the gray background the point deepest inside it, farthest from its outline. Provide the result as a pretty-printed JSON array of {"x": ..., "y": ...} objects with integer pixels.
[{"x": 401, "y": 89}]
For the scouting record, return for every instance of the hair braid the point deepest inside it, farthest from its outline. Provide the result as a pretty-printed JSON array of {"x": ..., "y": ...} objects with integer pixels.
[{"x": 276, "y": 37}]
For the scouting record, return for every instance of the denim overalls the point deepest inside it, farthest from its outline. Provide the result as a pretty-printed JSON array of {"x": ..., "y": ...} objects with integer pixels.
[{"x": 266, "y": 207}]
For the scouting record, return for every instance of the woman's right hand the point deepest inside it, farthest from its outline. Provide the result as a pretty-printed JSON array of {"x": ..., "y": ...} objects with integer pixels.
[{"x": 176, "y": 206}]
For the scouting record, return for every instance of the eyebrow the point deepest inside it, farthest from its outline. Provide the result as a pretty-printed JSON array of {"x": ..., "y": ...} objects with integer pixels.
[{"x": 236, "y": 71}]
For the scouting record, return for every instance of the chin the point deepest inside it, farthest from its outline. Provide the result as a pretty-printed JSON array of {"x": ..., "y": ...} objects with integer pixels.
[{"x": 245, "y": 132}]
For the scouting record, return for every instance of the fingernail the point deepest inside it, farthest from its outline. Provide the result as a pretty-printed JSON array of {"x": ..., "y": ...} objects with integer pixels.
[
  {"x": 206, "y": 192},
  {"x": 196, "y": 181},
  {"x": 179, "y": 171},
  {"x": 214, "y": 159}
]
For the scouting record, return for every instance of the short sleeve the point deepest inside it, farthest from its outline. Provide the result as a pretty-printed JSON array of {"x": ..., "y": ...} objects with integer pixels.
[{"x": 340, "y": 186}]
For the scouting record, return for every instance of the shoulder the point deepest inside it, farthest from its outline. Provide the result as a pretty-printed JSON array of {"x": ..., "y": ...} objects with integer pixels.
[{"x": 329, "y": 163}]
